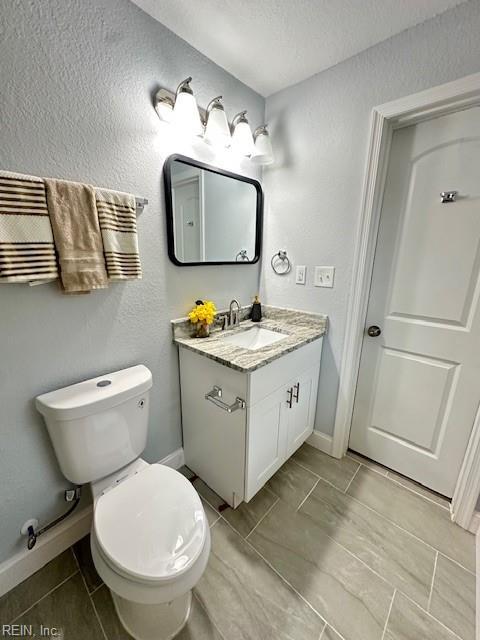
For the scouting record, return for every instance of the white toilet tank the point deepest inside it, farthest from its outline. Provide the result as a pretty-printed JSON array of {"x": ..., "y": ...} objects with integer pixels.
[{"x": 100, "y": 425}]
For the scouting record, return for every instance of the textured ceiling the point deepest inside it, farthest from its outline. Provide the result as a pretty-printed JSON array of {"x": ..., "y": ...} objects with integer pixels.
[{"x": 272, "y": 44}]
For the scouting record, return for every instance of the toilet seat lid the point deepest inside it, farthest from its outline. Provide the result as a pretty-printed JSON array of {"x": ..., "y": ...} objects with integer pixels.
[{"x": 152, "y": 526}]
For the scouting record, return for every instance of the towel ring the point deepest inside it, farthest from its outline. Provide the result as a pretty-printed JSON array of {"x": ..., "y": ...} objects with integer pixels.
[
  {"x": 242, "y": 256},
  {"x": 281, "y": 257}
]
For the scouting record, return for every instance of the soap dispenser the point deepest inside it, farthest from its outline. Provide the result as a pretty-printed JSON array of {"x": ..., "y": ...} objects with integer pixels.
[{"x": 256, "y": 310}]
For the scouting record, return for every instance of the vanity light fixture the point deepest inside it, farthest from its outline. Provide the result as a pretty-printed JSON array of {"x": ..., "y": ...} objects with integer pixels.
[
  {"x": 217, "y": 131},
  {"x": 181, "y": 109},
  {"x": 242, "y": 139},
  {"x": 164, "y": 106},
  {"x": 263, "y": 146},
  {"x": 185, "y": 110}
]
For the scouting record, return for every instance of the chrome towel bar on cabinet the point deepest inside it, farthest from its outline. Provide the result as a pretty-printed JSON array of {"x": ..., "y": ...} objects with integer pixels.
[{"x": 215, "y": 396}]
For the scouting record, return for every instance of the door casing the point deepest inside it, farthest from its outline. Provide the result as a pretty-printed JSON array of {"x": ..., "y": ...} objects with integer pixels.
[{"x": 447, "y": 98}]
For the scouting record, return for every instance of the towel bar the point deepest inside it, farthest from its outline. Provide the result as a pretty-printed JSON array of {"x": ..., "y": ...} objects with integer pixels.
[
  {"x": 215, "y": 396},
  {"x": 140, "y": 203}
]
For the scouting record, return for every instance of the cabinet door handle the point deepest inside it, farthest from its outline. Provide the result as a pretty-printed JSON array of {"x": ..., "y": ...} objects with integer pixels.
[
  {"x": 296, "y": 394},
  {"x": 290, "y": 398},
  {"x": 215, "y": 396}
]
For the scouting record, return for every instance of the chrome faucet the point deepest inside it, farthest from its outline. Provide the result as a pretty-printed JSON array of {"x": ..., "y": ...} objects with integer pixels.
[{"x": 234, "y": 316}]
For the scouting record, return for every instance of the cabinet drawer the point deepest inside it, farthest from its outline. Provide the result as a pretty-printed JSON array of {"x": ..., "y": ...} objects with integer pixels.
[{"x": 268, "y": 379}]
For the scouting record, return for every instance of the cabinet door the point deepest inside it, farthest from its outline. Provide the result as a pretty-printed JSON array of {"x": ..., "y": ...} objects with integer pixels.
[
  {"x": 266, "y": 440},
  {"x": 301, "y": 416}
]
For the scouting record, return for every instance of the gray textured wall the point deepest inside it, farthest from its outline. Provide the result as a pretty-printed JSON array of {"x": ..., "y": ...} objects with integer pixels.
[
  {"x": 75, "y": 102},
  {"x": 320, "y": 131}
]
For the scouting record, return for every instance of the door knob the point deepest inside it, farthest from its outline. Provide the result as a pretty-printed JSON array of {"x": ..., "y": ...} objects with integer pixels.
[{"x": 374, "y": 331}]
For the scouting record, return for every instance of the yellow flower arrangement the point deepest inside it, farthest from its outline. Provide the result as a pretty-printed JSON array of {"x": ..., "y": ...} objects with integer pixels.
[{"x": 203, "y": 312}]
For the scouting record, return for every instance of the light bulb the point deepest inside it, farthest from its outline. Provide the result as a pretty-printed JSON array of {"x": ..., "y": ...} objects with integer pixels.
[
  {"x": 242, "y": 139},
  {"x": 217, "y": 131},
  {"x": 263, "y": 153},
  {"x": 185, "y": 111}
]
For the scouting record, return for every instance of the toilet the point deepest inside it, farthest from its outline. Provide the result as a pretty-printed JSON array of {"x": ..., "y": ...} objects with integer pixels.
[{"x": 150, "y": 538}]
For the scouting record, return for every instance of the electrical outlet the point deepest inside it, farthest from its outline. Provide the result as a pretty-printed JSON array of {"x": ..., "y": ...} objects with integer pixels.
[
  {"x": 324, "y": 276},
  {"x": 301, "y": 274}
]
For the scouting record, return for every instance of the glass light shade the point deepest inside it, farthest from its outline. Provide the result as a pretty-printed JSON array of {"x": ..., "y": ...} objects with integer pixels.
[
  {"x": 164, "y": 110},
  {"x": 242, "y": 139},
  {"x": 217, "y": 131},
  {"x": 263, "y": 149},
  {"x": 186, "y": 115}
]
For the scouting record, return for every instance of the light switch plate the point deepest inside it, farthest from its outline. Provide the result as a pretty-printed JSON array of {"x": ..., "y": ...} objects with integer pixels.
[
  {"x": 300, "y": 274},
  {"x": 324, "y": 276}
]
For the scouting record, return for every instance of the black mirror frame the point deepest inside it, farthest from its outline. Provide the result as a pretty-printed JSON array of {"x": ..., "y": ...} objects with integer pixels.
[{"x": 167, "y": 177}]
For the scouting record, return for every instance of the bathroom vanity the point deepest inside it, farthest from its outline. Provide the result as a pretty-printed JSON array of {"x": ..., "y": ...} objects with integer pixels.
[{"x": 248, "y": 398}]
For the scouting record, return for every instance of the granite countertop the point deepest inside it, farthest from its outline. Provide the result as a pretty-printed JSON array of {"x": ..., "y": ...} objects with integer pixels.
[{"x": 301, "y": 328}]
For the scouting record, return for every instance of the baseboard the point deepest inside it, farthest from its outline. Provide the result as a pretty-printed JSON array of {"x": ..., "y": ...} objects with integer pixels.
[
  {"x": 475, "y": 523},
  {"x": 24, "y": 563},
  {"x": 176, "y": 459},
  {"x": 321, "y": 441}
]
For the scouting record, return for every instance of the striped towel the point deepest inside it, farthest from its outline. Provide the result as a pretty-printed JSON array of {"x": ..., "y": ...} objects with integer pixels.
[
  {"x": 118, "y": 224},
  {"x": 27, "y": 250}
]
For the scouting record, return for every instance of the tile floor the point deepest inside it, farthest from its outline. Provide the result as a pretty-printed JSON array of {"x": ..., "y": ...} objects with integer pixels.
[{"x": 329, "y": 549}]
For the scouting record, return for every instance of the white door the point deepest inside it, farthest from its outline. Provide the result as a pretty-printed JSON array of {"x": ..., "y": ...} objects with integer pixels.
[
  {"x": 419, "y": 382},
  {"x": 187, "y": 220}
]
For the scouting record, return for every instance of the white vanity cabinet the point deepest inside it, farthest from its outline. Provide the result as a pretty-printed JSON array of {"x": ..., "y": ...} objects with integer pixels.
[{"x": 236, "y": 453}]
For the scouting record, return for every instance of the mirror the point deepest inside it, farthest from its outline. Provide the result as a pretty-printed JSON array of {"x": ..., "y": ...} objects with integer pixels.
[{"x": 213, "y": 216}]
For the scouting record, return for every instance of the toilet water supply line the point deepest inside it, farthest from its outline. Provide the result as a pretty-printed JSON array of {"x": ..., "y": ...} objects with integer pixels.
[{"x": 70, "y": 495}]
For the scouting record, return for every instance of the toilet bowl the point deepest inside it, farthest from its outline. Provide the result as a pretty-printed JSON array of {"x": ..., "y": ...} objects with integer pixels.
[
  {"x": 150, "y": 544},
  {"x": 150, "y": 538}
]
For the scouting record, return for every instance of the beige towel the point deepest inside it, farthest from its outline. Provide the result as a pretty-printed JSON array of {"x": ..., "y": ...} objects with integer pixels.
[
  {"x": 118, "y": 222},
  {"x": 73, "y": 214},
  {"x": 27, "y": 251}
]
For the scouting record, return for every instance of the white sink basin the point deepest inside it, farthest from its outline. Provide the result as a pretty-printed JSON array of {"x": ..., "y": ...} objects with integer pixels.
[{"x": 255, "y": 338}]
